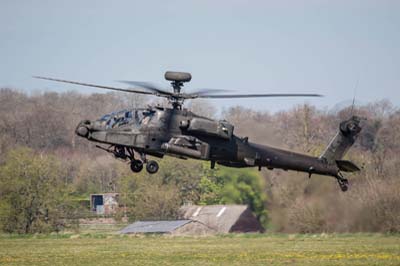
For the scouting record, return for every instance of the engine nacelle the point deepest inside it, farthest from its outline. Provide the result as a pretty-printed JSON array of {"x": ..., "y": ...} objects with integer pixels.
[{"x": 220, "y": 129}]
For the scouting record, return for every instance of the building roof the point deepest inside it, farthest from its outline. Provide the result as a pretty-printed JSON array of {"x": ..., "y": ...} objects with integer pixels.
[
  {"x": 202, "y": 219},
  {"x": 153, "y": 226},
  {"x": 219, "y": 218}
]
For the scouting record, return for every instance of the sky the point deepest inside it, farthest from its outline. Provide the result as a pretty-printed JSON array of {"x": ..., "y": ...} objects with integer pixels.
[{"x": 324, "y": 47}]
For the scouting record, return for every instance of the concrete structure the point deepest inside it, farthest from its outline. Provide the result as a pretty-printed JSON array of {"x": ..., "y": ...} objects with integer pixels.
[
  {"x": 104, "y": 204},
  {"x": 200, "y": 220}
]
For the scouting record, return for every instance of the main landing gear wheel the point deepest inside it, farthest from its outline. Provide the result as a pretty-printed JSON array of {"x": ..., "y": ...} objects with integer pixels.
[
  {"x": 136, "y": 166},
  {"x": 152, "y": 167}
]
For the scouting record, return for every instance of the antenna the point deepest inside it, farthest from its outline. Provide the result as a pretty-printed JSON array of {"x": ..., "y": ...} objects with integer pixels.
[{"x": 354, "y": 96}]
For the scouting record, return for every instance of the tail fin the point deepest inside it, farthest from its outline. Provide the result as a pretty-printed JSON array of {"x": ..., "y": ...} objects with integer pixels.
[{"x": 341, "y": 143}]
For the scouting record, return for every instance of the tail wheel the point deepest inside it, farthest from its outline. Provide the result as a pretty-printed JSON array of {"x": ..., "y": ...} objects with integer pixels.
[
  {"x": 136, "y": 166},
  {"x": 343, "y": 182},
  {"x": 152, "y": 167}
]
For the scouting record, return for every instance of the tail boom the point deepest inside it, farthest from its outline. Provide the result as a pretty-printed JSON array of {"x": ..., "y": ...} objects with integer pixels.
[{"x": 330, "y": 163}]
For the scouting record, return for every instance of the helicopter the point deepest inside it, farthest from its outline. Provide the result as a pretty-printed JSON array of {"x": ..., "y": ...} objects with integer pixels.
[{"x": 157, "y": 131}]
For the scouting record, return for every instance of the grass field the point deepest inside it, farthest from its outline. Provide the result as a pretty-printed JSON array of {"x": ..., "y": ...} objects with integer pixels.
[{"x": 106, "y": 249}]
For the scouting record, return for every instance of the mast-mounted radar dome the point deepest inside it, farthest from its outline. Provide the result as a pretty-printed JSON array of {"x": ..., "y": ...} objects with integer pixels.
[{"x": 178, "y": 76}]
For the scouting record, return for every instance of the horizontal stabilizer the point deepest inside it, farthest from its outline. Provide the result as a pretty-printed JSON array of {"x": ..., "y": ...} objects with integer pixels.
[{"x": 347, "y": 166}]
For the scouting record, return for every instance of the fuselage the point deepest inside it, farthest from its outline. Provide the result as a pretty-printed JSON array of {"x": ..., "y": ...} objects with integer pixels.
[
  {"x": 165, "y": 131},
  {"x": 161, "y": 131}
]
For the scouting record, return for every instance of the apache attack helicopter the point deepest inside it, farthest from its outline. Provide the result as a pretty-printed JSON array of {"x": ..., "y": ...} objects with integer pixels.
[{"x": 157, "y": 131}]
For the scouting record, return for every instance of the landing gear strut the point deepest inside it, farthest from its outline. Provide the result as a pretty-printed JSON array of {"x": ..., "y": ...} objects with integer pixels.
[
  {"x": 343, "y": 182},
  {"x": 126, "y": 153}
]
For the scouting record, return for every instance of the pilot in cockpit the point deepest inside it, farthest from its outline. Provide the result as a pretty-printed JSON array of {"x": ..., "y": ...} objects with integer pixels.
[{"x": 138, "y": 117}]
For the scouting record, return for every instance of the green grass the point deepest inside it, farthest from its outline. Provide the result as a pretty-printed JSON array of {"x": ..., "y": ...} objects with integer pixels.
[{"x": 108, "y": 249}]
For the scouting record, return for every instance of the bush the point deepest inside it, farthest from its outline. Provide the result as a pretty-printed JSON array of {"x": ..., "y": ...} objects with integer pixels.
[
  {"x": 33, "y": 198},
  {"x": 306, "y": 217}
]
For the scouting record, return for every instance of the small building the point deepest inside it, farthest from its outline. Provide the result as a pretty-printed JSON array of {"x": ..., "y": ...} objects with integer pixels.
[
  {"x": 200, "y": 220},
  {"x": 104, "y": 204}
]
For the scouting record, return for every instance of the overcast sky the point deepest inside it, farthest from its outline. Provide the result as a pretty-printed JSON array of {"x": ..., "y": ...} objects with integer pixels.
[{"x": 249, "y": 46}]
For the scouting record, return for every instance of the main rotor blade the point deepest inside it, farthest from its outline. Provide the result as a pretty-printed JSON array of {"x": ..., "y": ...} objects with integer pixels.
[
  {"x": 206, "y": 91},
  {"x": 259, "y": 95},
  {"x": 96, "y": 86},
  {"x": 146, "y": 85}
]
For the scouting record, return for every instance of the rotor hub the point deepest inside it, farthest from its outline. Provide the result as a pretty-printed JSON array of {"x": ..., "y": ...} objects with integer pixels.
[{"x": 177, "y": 80}]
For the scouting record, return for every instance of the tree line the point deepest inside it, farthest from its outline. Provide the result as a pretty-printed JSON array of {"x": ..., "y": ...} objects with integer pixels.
[{"x": 45, "y": 169}]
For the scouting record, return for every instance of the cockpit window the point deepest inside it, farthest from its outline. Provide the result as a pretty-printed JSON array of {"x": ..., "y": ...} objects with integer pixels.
[
  {"x": 106, "y": 117},
  {"x": 135, "y": 117}
]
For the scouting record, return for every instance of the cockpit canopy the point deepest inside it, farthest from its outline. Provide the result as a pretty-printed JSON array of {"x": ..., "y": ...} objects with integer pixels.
[{"x": 136, "y": 117}]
